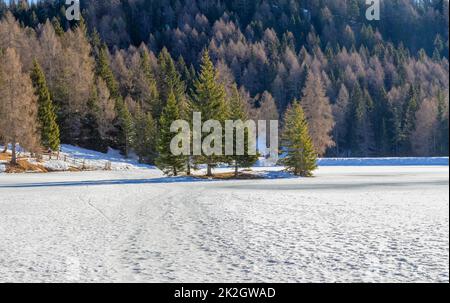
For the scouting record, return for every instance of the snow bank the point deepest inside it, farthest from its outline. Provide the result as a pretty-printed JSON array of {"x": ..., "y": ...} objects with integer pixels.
[
  {"x": 72, "y": 157},
  {"x": 56, "y": 165},
  {"x": 98, "y": 161},
  {"x": 407, "y": 161}
]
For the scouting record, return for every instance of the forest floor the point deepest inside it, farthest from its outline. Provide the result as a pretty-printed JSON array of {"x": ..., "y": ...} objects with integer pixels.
[{"x": 347, "y": 224}]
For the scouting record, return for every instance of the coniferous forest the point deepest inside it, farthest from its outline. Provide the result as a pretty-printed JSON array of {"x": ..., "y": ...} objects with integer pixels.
[{"x": 119, "y": 75}]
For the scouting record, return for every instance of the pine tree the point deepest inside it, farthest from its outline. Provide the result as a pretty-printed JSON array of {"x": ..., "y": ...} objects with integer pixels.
[
  {"x": 126, "y": 127},
  {"x": 152, "y": 99},
  {"x": 166, "y": 161},
  {"x": 238, "y": 112},
  {"x": 90, "y": 137},
  {"x": 104, "y": 71},
  {"x": 355, "y": 119},
  {"x": 209, "y": 98},
  {"x": 340, "y": 111},
  {"x": 145, "y": 137},
  {"x": 408, "y": 121},
  {"x": 46, "y": 112},
  {"x": 58, "y": 28},
  {"x": 301, "y": 158},
  {"x": 169, "y": 80}
]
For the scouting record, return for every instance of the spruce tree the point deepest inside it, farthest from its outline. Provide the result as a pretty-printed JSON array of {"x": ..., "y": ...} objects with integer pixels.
[
  {"x": 151, "y": 100},
  {"x": 90, "y": 135},
  {"x": 209, "y": 98},
  {"x": 145, "y": 137},
  {"x": 301, "y": 158},
  {"x": 49, "y": 128},
  {"x": 104, "y": 71},
  {"x": 355, "y": 120},
  {"x": 169, "y": 80},
  {"x": 166, "y": 161},
  {"x": 239, "y": 112},
  {"x": 408, "y": 121},
  {"x": 126, "y": 127}
]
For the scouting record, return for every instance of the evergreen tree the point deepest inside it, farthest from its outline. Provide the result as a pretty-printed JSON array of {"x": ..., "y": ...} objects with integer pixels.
[
  {"x": 46, "y": 112},
  {"x": 238, "y": 112},
  {"x": 90, "y": 137},
  {"x": 152, "y": 100},
  {"x": 58, "y": 28},
  {"x": 169, "y": 81},
  {"x": 145, "y": 137},
  {"x": 104, "y": 71},
  {"x": 408, "y": 121},
  {"x": 355, "y": 120},
  {"x": 301, "y": 158},
  {"x": 166, "y": 161},
  {"x": 209, "y": 98},
  {"x": 126, "y": 127},
  {"x": 383, "y": 119}
]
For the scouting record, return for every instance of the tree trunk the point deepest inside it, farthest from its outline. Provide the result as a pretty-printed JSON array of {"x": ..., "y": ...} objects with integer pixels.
[
  {"x": 209, "y": 171},
  {"x": 236, "y": 170},
  {"x": 175, "y": 172},
  {"x": 5, "y": 149},
  {"x": 13, "y": 155},
  {"x": 188, "y": 167}
]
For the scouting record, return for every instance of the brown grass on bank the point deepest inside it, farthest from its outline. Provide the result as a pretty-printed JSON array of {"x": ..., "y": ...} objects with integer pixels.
[
  {"x": 5, "y": 157},
  {"x": 24, "y": 166}
]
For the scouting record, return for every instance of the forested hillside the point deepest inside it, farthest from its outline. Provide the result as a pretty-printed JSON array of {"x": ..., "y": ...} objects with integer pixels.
[{"x": 369, "y": 88}]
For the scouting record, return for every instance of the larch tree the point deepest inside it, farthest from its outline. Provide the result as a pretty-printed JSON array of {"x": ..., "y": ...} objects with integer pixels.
[
  {"x": 301, "y": 157},
  {"x": 425, "y": 136},
  {"x": 69, "y": 67},
  {"x": 318, "y": 112},
  {"x": 209, "y": 98},
  {"x": 18, "y": 105},
  {"x": 443, "y": 121},
  {"x": 48, "y": 125}
]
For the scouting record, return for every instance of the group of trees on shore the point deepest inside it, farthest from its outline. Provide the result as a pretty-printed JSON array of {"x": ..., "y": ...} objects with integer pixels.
[{"x": 365, "y": 88}]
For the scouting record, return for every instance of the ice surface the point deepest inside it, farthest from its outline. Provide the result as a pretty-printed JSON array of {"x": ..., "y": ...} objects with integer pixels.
[{"x": 348, "y": 224}]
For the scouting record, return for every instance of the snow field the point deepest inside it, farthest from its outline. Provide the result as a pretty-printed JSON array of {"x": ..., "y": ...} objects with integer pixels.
[{"x": 348, "y": 224}]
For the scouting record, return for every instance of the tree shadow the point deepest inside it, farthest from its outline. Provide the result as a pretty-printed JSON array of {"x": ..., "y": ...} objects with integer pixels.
[{"x": 164, "y": 180}]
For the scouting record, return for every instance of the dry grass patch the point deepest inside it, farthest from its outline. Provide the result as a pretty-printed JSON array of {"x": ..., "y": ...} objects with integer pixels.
[
  {"x": 24, "y": 166},
  {"x": 5, "y": 157}
]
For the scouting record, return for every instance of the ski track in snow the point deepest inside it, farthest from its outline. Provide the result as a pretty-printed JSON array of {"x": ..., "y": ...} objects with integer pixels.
[{"x": 352, "y": 224}]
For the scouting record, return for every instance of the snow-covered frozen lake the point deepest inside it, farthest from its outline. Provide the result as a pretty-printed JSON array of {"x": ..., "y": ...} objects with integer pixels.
[{"x": 348, "y": 224}]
